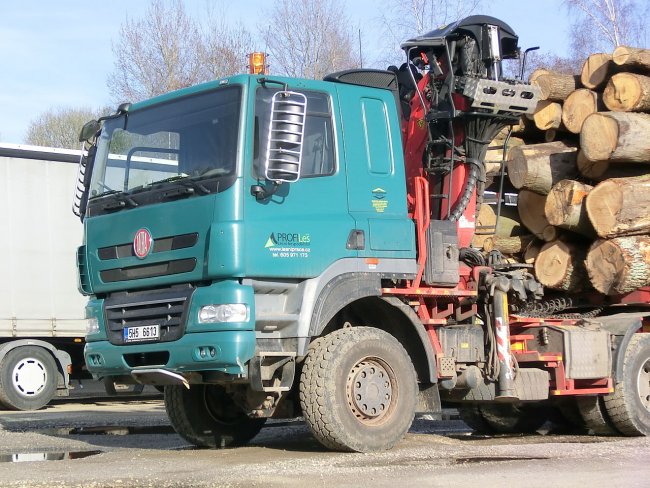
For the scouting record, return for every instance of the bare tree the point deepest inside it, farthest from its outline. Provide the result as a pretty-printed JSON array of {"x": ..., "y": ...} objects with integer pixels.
[
  {"x": 167, "y": 49},
  {"x": 59, "y": 127},
  {"x": 309, "y": 38},
  {"x": 407, "y": 19},
  {"x": 601, "y": 25}
]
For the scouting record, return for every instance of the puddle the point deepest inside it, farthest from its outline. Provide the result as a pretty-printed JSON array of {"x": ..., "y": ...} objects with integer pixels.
[
  {"x": 21, "y": 457},
  {"x": 479, "y": 459},
  {"x": 110, "y": 430}
]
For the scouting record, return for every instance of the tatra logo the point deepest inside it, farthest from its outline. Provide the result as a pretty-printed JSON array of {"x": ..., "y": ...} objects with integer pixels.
[{"x": 142, "y": 243}]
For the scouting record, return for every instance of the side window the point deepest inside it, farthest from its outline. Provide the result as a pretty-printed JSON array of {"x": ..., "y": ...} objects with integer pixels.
[{"x": 318, "y": 148}]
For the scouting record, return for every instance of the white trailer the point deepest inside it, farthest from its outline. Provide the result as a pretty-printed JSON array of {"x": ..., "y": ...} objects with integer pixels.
[{"x": 42, "y": 322}]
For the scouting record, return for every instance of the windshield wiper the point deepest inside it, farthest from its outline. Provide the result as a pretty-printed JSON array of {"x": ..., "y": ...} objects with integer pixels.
[{"x": 119, "y": 201}]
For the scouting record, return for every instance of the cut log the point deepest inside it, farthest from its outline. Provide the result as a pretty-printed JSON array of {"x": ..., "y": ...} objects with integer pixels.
[
  {"x": 627, "y": 92},
  {"x": 493, "y": 157},
  {"x": 560, "y": 265},
  {"x": 531, "y": 213},
  {"x": 632, "y": 57},
  {"x": 616, "y": 136},
  {"x": 556, "y": 86},
  {"x": 537, "y": 73},
  {"x": 538, "y": 167},
  {"x": 531, "y": 252},
  {"x": 603, "y": 170},
  {"x": 596, "y": 71},
  {"x": 486, "y": 224},
  {"x": 578, "y": 106},
  {"x": 548, "y": 115},
  {"x": 619, "y": 265},
  {"x": 619, "y": 207},
  {"x": 508, "y": 245},
  {"x": 564, "y": 207}
]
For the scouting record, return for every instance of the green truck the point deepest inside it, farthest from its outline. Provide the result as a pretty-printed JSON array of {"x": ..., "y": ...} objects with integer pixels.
[{"x": 264, "y": 247}]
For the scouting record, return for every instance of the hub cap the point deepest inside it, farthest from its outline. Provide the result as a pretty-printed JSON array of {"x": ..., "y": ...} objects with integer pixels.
[
  {"x": 643, "y": 384},
  {"x": 29, "y": 377},
  {"x": 370, "y": 390}
]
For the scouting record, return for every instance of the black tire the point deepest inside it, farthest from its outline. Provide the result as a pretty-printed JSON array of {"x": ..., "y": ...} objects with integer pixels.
[
  {"x": 206, "y": 416},
  {"x": 594, "y": 414},
  {"x": 629, "y": 406},
  {"x": 28, "y": 378},
  {"x": 471, "y": 415},
  {"x": 358, "y": 390},
  {"x": 514, "y": 419}
]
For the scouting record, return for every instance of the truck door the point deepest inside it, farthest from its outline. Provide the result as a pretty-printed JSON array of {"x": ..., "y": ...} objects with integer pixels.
[
  {"x": 304, "y": 226},
  {"x": 375, "y": 171}
]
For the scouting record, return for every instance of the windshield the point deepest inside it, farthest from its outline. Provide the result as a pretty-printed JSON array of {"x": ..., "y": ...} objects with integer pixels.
[{"x": 190, "y": 138}]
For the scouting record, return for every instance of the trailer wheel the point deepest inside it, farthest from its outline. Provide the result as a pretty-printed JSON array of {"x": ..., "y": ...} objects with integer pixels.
[
  {"x": 513, "y": 419},
  {"x": 629, "y": 406},
  {"x": 28, "y": 378},
  {"x": 358, "y": 390},
  {"x": 595, "y": 416},
  {"x": 206, "y": 416},
  {"x": 471, "y": 415}
]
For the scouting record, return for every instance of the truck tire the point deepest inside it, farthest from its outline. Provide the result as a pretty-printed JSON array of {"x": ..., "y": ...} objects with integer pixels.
[
  {"x": 629, "y": 406},
  {"x": 28, "y": 378},
  {"x": 513, "y": 419},
  {"x": 594, "y": 414},
  {"x": 471, "y": 415},
  {"x": 206, "y": 416},
  {"x": 358, "y": 390}
]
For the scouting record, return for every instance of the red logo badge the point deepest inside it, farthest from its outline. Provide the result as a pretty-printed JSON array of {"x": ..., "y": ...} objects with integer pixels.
[{"x": 142, "y": 243}]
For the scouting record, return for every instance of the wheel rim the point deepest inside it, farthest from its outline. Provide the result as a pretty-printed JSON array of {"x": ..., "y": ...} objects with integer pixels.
[
  {"x": 29, "y": 377},
  {"x": 371, "y": 390},
  {"x": 643, "y": 384}
]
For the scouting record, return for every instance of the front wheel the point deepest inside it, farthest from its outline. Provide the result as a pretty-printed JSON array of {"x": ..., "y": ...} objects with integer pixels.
[
  {"x": 206, "y": 416},
  {"x": 358, "y": 390},
  {"x": 28, "y": 378}
]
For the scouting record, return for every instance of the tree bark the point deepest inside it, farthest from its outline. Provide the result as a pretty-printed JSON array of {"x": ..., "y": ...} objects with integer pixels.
[
  {"x": 560, "y": 265},
  {"x": 564, "y": 207},
  {"x": 531, "y": 213},
  {"x": 508, "y": 245},
  {"x": 596, "y": 71},
  {"x": 620, "y": 207},
  {"x": 632, "y": 57},
  {"x": 619, "y": 265},
  {"x": 627, "y": 92},
  {"x": 616, "y": 136},
  {"x": 556, "y": 86},
  {"x": 538, "y": 167},
  {"x": 603, "y": 170},
  {"x": 548, "y": 115},
  {"x": 578, "y": 106}
]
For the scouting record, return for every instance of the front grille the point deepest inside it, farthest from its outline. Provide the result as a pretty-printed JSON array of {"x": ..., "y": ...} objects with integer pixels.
[
  {"x": 151, "y": 270},
  {"x": 166, "y": 307},
  {"x": 173, "y": 243}
]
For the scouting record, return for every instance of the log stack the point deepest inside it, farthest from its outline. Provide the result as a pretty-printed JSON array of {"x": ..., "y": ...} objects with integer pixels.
[{"x": 581, "y": 168}]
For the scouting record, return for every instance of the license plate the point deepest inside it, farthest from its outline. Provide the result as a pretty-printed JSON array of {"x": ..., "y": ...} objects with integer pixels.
[{"x": 142, "y": 333}]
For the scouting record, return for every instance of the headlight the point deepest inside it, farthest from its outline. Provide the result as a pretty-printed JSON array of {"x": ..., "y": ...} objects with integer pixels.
[
  {"x": 92, "y": 326},
  {"x": 229, "y": 312}
]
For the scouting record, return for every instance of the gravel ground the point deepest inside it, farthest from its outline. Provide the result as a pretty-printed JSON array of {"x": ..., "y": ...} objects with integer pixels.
[{"x": 138, "y": 448}]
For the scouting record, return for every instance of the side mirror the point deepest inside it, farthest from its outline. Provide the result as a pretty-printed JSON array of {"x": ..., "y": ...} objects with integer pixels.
[
  {"x": 89, "y": 130},
  {"x": 285, "y": 136}
]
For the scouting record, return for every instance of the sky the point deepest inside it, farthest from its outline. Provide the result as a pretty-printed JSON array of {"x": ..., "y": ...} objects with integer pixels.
[{"x": 57, "y": 53}]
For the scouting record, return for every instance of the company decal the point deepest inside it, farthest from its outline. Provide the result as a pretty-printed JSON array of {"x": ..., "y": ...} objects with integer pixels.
[
  {"x": 142, "y": 243},
  {"x": 379, "y": 201},
  {"x": 291, "y": 245}
]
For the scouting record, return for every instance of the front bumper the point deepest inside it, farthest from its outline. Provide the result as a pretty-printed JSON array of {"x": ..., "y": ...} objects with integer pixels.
[{"x": 232, "y": 351}]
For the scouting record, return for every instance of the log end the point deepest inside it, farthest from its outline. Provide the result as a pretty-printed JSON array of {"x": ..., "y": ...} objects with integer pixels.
[
  {"x": 554, "y": 266},
  {"x": 605, "y": 266},
  {"x": 595, "y": 70},
  {"x": 620, "y": 55},
  {"x": 622, "y": 92},
  {"x": 598, "y": 137},
  {"x": 603, "y": 205}
]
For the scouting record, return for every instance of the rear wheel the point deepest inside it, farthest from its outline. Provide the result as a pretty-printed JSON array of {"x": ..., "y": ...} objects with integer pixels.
[
  {"x": 206, "y": 416},
  {"x": 28, "y": 378},
  {"x": 514, "y": 419},
  {"x": 594, "y": 414},
  {"x": 629, "y": 406},
  {"x": 358, "y": 390}
]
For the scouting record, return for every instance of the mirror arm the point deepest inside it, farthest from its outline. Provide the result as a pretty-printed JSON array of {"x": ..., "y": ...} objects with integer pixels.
[{"x": 261, "y": 192}]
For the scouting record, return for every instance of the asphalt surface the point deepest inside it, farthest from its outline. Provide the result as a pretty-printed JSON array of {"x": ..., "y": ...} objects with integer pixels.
[{"x": 102, "y": 442}]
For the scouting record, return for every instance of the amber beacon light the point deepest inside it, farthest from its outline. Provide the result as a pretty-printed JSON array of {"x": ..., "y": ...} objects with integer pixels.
[{"x": 257, "y": 64}]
